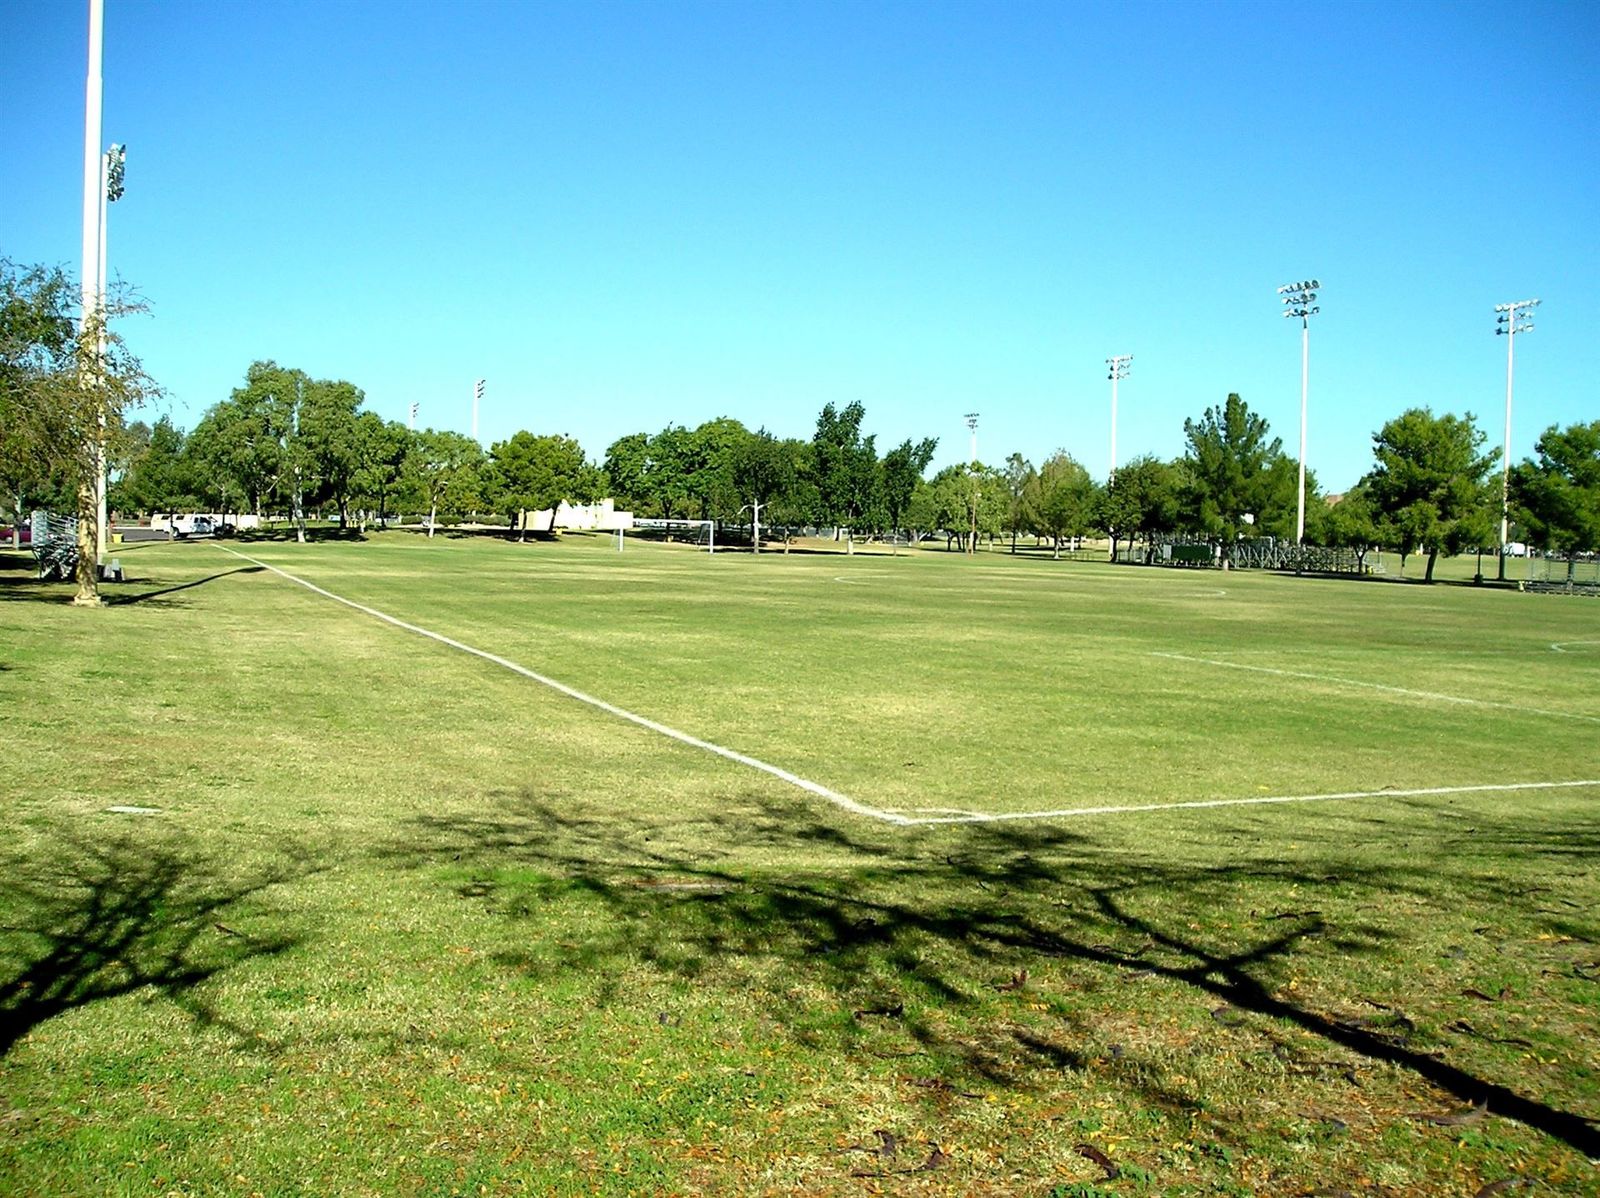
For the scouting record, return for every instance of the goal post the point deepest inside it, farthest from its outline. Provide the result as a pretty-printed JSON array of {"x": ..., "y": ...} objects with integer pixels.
[{"x": 704, "y": 532}]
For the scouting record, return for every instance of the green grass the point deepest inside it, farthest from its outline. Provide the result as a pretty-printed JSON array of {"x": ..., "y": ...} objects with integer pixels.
[{"x": 409, "y": 923}]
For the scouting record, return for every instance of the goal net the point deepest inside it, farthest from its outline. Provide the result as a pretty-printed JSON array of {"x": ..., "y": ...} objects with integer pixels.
[{"x": 700, "y": 533}]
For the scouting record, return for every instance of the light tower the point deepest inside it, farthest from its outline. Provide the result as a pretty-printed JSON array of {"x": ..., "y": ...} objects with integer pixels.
[
  {"x": 1300, "y": 299},
  {"x": 112, "y": 166},
  {"x": 1119, "y": 371},
  {"x": 477, "y": 398},
  {"x": 972, "y": 426},
  {"x": 1514, "y": 318}
]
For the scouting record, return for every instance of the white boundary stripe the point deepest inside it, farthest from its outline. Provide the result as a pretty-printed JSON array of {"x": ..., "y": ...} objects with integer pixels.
[
  {"x": 1561, "y": 646},
  {"x": 1378, "y": 686},
  {"x": 822, "y": 792},
  {"x": 1073, "y": 812}
]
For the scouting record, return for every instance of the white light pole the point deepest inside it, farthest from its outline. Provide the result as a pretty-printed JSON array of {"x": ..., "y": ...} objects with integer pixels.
[
  {"x": 972, "y": 427},
  {"x": 477, "y": 398},
  {"x": 89, "y": 286},
  {"x": 112, "y": 164},
  {"x": 1300, "y": 299},
  {"x": 1514, "y": 318},
  {"x": 1119, "y": 371}
]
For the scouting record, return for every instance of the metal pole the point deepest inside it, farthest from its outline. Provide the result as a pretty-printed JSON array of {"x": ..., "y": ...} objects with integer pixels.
[
  {"x": 91, "y": 284},
  {"x": 1305, "y": 378},
  {"x": 1112, "y": 473},
  {"x": 100, "y": 363},
  {"x": 1505, "y": 452}
]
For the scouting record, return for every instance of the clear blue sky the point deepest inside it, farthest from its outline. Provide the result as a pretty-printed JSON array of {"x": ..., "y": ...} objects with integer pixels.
[{"x": 624, "y": 215}]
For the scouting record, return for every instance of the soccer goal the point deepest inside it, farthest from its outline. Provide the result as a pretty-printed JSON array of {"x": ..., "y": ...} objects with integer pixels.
[{"x": 701, "y": 533}]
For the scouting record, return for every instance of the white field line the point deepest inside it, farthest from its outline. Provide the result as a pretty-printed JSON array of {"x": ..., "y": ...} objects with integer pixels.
[
  {"x": 1073, "y": 812},
  {"x": 1561, "y": 646},
  {"x": 838, "y": 800},
  {"x": 1378, "y": 686}
]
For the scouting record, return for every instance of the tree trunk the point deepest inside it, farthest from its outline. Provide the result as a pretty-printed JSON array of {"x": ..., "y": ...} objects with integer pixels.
[
  {"x": 86, "y": 574},
  {"x": 433, "y": 512},
  {"x": 1433, "y": 556}
]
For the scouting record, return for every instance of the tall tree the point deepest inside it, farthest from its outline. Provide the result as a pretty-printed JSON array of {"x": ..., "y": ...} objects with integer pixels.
[
  {"x": 1237, "y": 469},
  {"x": 1019, "y": 481},
  {"x": 447, "y": 464},
  {"x": 537, "y": 472},
  {"x": 627, "y": 470},
  {"x": 1558, "y": 494},
  {"x": 844, "y": 465},
  {"x": 1430, "y": 485},
  {"x": 63, "y": 392},
  {"x": 162, "y": 478},
  {"x": 382, "y": 448},
  {"x": 1142, "y": 500},
  {"x": 763, "y": 470},
  {"x": 900, "y": 472},
  {"x": 1063, "y": 500}
]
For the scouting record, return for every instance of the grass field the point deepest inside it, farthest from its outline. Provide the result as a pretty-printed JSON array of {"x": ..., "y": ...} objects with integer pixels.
[{"x": 406, "y": 920}]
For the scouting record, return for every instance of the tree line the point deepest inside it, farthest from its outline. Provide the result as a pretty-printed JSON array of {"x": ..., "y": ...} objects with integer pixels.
[{"x": 288, "y": 444}]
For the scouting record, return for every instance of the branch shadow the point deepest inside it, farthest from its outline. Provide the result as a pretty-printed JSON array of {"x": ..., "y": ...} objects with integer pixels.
[
  {"x": 937, "y": 922},
  {"x": 101, "y": 920}
]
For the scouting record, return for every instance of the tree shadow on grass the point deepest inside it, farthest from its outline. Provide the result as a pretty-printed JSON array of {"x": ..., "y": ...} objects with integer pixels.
[
  {"x": 101, "y": 920},
  {"x": 122, "y": 599},
  {"x": 899, "y": 929}
]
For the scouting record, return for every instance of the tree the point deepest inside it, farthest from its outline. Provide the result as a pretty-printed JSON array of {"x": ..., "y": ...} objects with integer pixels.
[
  {"x": 711, "y": 451},
  {"x": 1350, "y": 523},
  {"x": 1430, "y": 486},
  {"x": 63, "y": 394},
  {"x": 763, "y": 469},
  {"x": 536, "y": 472},
  {"x": 162, "y": 478},
  {"x": 1142, "y": 499},
  {"x": 1019, "y": 483},
  {"x": 1235, "y": 471},
  {"x": 899, "y": 473},
  {"x": 446, "y": 465},
  {"x": 328, "y": 436},
  {"x": 627, "y": 470},
  {"x": 844, "y": 466},
  {"x": 1063, "y": 499},
  {"x": 382, "y": 449},
  {"x": 1558, "y": 496}
]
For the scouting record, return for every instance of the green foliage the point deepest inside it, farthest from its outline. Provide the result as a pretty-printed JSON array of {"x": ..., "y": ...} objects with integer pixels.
[
  {"x": 1143, "y": 499},
  {"x": 843, "y": 466},
  {"x": 900, "y": 472},
  {"x": 532, "y": 473},
  {"x": 447, "y": 468},
  {"x": 1558, "y": 495},
  {"x": 1236, "y": 468},
  {"x": 1430, "y": 488},
  {"x": 1062, "y": 499}
]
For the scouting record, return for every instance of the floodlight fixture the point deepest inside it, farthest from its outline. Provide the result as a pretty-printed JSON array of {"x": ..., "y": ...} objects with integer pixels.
[
  {"x": 971, "y": 419},
  {"x": 116, "y": 163},
  {"x": 1515, "y": 317},
  {"x": 1300, "y": 299}
]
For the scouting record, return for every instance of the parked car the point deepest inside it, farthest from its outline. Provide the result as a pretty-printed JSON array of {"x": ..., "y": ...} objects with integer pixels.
[{"x": 195, "y": 526}]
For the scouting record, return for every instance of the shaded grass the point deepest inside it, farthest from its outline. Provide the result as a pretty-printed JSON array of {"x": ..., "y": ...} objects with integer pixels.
[{"x": 406, "y": 924}]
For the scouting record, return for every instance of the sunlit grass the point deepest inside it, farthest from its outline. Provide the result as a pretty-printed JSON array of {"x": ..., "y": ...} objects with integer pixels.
[{"x": 407, "y": 922}]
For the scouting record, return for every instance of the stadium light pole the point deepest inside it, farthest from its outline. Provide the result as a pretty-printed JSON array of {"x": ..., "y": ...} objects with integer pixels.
[
  {"x": 112, "y": 164},
  {"x": 477, "y": 398},
  {"x": 1514, "y": 318},
  {"x": 971, "y": 419},
  {"x": 1300, "y": 299},
  {"x": 88, "y": 500},
  {"x": 1119, "y": 371}
]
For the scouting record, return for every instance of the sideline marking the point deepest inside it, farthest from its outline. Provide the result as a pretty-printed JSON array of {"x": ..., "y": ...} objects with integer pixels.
[
  {"x": 1071, "y": 812},
  {"x": 1378, "y": 686},
  {"x": 822, "y": 792}
]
